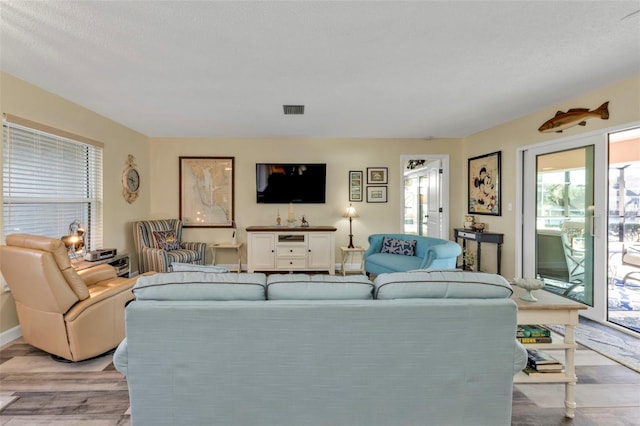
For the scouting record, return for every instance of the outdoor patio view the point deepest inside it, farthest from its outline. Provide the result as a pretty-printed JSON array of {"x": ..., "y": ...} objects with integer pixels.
[{"x": 564, "y": 243}]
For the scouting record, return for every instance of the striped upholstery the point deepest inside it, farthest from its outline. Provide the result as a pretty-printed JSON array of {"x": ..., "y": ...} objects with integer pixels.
[{"x": 153, "y": 259}]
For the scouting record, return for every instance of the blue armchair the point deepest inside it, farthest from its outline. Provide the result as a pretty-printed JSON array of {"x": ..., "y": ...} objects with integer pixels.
[{"x": 429, "y": 252}]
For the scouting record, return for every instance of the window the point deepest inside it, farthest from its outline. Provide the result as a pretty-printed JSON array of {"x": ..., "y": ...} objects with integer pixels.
[{"x": 49, "y": 181}]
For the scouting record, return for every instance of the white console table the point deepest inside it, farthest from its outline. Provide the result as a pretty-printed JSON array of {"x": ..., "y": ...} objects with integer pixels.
[{"x": 280, "y": 248}]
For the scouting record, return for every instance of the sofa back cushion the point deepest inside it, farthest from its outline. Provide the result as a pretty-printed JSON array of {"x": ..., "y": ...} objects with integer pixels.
[
  {"x": 441, "y": 284},
  {"x": 318, "y": 287},
  {"x": 186, "y": 267},
  {"x": 194, "y": 285}
]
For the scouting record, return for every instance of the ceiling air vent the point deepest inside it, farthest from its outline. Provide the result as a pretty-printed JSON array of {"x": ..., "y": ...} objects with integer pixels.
[{"x": 293, "y": 109}]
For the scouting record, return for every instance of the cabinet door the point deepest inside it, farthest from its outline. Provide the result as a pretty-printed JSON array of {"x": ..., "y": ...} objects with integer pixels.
[
  {"x": 321, "y": 251},
  {"x": 261, "y": 251}
]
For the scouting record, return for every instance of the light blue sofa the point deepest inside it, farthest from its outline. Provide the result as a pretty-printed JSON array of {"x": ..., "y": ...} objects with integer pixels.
[
  {"x": 433, "y": 348},
  {"x": 430, "y": 252}
]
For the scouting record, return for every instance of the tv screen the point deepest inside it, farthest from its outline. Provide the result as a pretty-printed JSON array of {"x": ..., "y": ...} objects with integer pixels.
[{"x": 290, "y": 183}]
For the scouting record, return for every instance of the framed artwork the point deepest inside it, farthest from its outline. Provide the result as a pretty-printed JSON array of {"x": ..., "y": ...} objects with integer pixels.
[
  {"x": 377, "y": 175},
  {"x": 484, "y": 184},
  {"x": 355, "y": 185},
  {"x": 206, "y": 192},
  {"x": 376, "y": 194}
]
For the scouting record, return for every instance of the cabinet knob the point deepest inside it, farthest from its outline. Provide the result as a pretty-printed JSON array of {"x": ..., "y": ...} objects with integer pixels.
[
  {"x": 290, "y": 250},
  {"x": 309, "y": 250}
]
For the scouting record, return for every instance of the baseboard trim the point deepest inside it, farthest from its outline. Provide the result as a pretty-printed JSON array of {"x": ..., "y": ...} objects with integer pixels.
[{"x": 10, "y": 335}]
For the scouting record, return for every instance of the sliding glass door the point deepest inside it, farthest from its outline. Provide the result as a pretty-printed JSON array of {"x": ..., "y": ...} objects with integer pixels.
[
  {"x": 563, "y": 207},
  {"x": 581, "y": 222}
]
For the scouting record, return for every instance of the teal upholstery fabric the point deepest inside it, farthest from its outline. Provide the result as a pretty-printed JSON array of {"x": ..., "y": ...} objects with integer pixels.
[
  {"x": 318, "y": 287},
  {"x": 327, "y": 362},
  {"x": 195, "y": 285},
  {"x": 429, "y": 253},
  {"x": 439, "y": 284},
  {"x": 159, "y": 260}
]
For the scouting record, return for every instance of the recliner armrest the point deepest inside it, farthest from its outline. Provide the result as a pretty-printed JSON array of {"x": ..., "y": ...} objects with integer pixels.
[
  {"x": 98, "y": 293},
  {"x": 96, "y": 274}
]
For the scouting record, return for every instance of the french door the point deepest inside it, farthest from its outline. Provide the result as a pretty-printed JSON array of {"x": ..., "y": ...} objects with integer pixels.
[{"x": 564, "y": 187}]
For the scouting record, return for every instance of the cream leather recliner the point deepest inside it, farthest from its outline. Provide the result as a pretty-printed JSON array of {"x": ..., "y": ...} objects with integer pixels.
[{"x": 69, "y": 314}]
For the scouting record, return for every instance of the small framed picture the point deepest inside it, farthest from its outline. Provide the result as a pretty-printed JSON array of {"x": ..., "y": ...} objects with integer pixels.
[
  {"x": 376, "y": 194},
  {"x": 377, "y": 175},
  {"x": 355, "y": 185}
]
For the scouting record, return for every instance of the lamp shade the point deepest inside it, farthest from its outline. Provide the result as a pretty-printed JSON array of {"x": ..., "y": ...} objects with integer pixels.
[{"x": 350, "y": 212}]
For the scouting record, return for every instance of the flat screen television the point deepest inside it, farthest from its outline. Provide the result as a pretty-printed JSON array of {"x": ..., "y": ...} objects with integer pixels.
[{"x": 291, "y": 182}]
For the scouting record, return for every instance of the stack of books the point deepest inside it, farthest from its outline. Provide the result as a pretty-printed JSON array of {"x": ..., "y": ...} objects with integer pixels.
[
  {"x": 533, "y": 334},
  {"x": 541, "y": 362}
]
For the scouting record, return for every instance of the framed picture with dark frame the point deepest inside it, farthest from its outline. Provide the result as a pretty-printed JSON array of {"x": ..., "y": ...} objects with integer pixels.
[
  {"x": 484, "y": 184},
  {"x": 355, "y": 185},
  {"x": 376, "y": 194},
  {"x": 377, "y": 175},
  {"x": 207, "y": 192}
]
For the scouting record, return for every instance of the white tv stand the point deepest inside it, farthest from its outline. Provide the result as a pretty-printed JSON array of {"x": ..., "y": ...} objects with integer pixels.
[{"x": 280, "y": 248}]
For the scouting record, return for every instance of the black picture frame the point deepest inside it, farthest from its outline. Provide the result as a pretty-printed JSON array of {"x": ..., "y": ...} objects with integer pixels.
[
  {"x": 355, "y": 186},
  {"x": 484, "y": 184}
]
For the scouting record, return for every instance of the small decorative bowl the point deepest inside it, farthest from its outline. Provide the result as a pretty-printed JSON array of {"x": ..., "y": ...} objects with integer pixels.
[{"x": 529, "y": 284}]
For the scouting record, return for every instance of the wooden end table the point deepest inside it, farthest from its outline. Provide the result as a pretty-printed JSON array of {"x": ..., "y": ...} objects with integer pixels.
[
  {"x": 345, "y": 252},
  {"x": 552, "y": 309},
  {"x": 227, "y": 246}
]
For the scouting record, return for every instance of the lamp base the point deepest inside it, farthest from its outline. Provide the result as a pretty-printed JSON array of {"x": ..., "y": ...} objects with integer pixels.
[{"x": 350, "y": 241}]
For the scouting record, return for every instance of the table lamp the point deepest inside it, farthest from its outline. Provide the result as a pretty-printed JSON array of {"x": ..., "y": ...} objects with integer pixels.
[{"x": 350, "y": 212}]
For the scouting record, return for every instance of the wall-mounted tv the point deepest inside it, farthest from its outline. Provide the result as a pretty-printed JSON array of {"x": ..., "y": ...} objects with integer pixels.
[{"x": 290, "y": 182}]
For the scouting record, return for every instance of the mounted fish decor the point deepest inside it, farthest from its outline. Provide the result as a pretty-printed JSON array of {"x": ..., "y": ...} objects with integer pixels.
[{"x": 574, "y": 117}]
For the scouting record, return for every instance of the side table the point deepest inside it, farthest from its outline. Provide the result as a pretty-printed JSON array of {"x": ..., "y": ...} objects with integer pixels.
[
  {"x": 548, "y": 310},
  {"x": 227, "y": 246},
  {"x": 345, "y": 252}
]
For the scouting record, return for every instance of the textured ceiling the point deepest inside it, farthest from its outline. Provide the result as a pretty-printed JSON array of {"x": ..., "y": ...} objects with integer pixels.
[{"x": 362, "y": 69}]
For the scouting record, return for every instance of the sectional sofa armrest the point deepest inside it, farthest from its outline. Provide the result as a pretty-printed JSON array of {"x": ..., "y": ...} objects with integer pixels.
[
  {"x": 520, "y": 358},
  {"x": 121, "y": 357},
  {"x": 440, "y": 251}
]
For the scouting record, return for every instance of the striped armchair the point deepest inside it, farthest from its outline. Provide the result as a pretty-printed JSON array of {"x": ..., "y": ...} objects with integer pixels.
[{"x": 151, "y": 258}]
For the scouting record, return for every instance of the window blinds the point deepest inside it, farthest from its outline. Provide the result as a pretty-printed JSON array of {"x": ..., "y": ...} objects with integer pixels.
[{"x": 48, "y": 182}]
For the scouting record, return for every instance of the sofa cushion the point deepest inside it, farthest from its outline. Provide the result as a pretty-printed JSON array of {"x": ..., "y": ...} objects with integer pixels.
[
  {"x": 441, "y": 284},
  {"x": 166, "y": 240},
  {"x": 395, "y": 246},
  {"x": 192, "y": 285},
  {"x": 185, "y": 267},
  {"x": 318, "y": 287}
]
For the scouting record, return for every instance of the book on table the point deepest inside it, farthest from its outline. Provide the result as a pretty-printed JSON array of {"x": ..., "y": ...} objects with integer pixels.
[
  {"x": 534, "y": 339},
  {"x": 537, "y": 357},
  {"x": 532, "y": 330},
  {"x": 530, "y": 371}
]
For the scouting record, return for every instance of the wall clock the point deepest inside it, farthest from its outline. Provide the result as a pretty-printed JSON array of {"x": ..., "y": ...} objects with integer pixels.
[{"x": 130, "y": 180}]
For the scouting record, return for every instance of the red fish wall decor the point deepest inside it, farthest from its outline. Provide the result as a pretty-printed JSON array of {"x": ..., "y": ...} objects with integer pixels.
[{"x": 574, "y": 117}]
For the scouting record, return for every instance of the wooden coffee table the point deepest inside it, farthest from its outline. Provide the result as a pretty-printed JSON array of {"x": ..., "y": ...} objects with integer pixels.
[{"x": 551, "y": 309}]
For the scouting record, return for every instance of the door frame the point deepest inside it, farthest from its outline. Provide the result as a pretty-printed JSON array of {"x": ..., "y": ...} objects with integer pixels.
[
  {"x": 444, "y": 190},
  {"x": 601, "y": 166}
]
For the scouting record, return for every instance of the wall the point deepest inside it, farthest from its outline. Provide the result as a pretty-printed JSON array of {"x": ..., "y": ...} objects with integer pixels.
[
  {"x": 340, "y": 155},
  {"x": 22, "y": 99},
  {"x": 624, "y": 107}
]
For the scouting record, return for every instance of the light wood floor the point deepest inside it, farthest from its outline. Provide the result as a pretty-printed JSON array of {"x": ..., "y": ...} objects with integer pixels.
[{"x": 40, "y": 391}]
